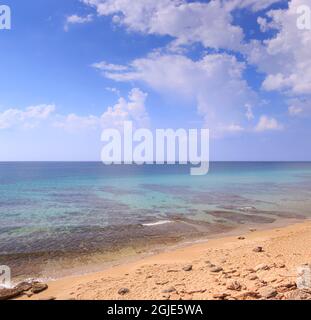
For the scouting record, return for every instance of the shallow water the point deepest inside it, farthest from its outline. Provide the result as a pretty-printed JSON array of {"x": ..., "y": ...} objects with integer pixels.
[{"x": 51, "y": 210}]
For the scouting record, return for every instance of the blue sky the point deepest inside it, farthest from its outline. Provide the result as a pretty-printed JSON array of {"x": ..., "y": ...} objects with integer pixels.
[{"x": 240, "y": 68}]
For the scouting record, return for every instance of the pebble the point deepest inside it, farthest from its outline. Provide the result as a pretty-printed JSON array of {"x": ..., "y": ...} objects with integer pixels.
[
  {"x": 123, "y": 291},
  {"x": 235, "y": 286},
  {"x": 267, "y": 292},
  {"x": 252, "y": 277},
  {"x": 216, "y": 269},
  {"x": 209, "y": 264},
  {"x": 187, "y": 267},
  {"x": 221, "y": 296},
  {"x": 262, "y": 266},
  {"x": 169, "y": 290}
]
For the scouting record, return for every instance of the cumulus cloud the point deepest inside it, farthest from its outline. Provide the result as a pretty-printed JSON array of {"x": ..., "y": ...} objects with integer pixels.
[
  {"x": 285, "y": 58},
  {"x": 186, "y": 22},
  {"x": 30, "y": 117},
  {"x": 131, "y": 109},
  {"x": 215, "y": 83},
  {"x": 267, "y": 124}
]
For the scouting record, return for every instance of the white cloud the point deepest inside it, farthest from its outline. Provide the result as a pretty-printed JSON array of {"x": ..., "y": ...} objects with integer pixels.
[
  {"x": 113, "y": 90},
  {"x": 104, "y": 66},
  {"x": 210, "y": 23},
  {"x": 30, "y": 117},
  {"x": 295, "y": 110},
  {"x": 267, "y": 124},
  {"x": 299, "y": 107},
  {"x": 215, "y": 83},
  {"x": 132, "y": 109},
  {"x": 232, "y": 128},
  {"x": 254, "y": 5},
  {"x": 187, "y": 22},
  {"x": 75, "y": 19},
  {"x": 285, "y": 58}
]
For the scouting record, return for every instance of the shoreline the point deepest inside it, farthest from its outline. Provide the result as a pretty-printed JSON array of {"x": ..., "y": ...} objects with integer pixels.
[
  {"x": 81, "y": 264},
  {"x": 154, "y": 276}
]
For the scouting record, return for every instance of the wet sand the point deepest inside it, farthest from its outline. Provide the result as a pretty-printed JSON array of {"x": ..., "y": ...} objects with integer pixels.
[
  {"x": 83, "y": 251},
  {"x": 220, "y": 268}
]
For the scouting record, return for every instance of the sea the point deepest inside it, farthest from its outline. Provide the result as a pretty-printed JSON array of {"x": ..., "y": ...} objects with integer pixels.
[{"x": 59, "y": 218}]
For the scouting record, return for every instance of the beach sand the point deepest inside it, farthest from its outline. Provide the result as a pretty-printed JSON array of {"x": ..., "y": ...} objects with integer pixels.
[{"x": 223, "y": 268}]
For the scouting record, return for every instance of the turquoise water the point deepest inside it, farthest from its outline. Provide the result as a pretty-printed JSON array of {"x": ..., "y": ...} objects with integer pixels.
[{"x": 69, "y": 207}]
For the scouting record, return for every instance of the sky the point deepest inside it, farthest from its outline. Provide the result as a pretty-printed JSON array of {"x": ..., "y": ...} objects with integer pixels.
[{"x": 69, "y": 69}]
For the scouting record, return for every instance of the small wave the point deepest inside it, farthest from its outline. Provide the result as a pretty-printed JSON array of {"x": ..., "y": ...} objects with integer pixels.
[{"x": 156, "y": 223}]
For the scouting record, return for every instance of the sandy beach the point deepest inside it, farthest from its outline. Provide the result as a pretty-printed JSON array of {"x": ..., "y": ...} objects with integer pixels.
[{"x": 255, "y": 265}]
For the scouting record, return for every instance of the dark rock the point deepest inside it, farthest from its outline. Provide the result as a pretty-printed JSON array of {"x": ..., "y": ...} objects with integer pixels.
[
  {"x": 7, "y": 294},
  {"x": 38, "y": 287},
  {"x": 24, "y": 286},
  {"x": 258, "y": 249},
  {"x": 123, "y": 291}
]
